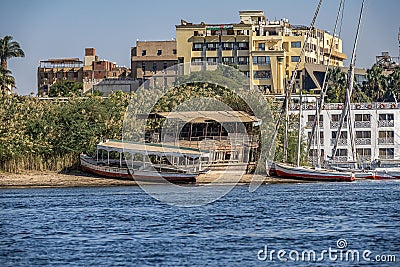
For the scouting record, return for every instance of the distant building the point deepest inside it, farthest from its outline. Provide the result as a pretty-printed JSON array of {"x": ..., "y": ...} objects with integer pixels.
[
  {"x": 375, "y": 127},
  {"x": 56, "y": 70},
  {"x": 91, "y": 71},
  {"x": 149, "y": 58},
  {"x": 387, "y": 62},
  {"x": 266, "y": 51}
]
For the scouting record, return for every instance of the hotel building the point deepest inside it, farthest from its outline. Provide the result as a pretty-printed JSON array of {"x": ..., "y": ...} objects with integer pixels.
[
  {"x": 375, "y": 131},
  {"x": 266, "y": 51}
]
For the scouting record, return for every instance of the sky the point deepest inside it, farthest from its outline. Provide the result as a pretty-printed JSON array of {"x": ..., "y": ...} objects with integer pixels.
[{"x": 62, "y": 29}]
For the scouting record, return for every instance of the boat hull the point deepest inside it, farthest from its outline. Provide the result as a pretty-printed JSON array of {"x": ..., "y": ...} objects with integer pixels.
[
  {"x": 139, "y": 176},
  {"x": 300, "y": 173}
]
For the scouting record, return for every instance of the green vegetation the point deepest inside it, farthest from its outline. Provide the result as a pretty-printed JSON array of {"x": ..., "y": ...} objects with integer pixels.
[
  {"x": 66, "y": 89},
  {"x": 50, "y": 135},
  {"x": 7, "y": 81},
  {"x": 378, "y": 87}
]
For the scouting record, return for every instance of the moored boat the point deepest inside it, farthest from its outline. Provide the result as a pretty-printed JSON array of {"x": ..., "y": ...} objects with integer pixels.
[
  {"x": 304, "y": 173},
  {"x": 145, "y": 162}
]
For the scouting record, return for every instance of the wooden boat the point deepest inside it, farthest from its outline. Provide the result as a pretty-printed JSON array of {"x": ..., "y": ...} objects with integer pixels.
[
  {"x": 303, "y": 173},
  {"x": 387, "y": 173},
  {"x": 145, "y": 162}
]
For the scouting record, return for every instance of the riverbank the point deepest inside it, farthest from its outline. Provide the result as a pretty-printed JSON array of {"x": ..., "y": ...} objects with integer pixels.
[{"x": 81, "y": 179}]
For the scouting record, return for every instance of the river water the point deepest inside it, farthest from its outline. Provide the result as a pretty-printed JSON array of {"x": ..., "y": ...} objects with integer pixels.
[{"x": 119, "y": 226}]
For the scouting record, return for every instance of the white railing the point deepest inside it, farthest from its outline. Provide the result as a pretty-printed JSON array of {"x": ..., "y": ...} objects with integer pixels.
[
  {"x": 388, "y": 141},
  {"x": 335, "y": 124},
  {"x": 362, "y": 124},
  {"x": 386, "y": 123},
  {"x": 363, "y": 141},
  {"x": 341, "y": 142}
]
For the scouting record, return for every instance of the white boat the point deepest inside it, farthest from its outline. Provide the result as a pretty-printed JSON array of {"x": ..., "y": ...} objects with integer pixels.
[{"x": 145, "y": 162}]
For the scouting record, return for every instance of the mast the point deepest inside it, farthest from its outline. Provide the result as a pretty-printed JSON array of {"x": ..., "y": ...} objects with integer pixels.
[
  {"x": 349, "y": 91},
  {"x": 299, "y": 131},
  {"x": 289, "y": 89},
  {"x": 324, "y": 83}
]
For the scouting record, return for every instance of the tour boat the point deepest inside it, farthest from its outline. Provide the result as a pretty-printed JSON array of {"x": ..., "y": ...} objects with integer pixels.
[
  {"x": 145, "y": 162},
  {"x": 310, "y": 174}
]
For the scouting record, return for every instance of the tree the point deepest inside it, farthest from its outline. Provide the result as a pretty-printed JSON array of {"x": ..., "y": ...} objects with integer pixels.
[
  {"x": 377, "y": 84},
  {"x": 394, "y": 84},
  {"x": 9, "y": 49},
  {"x": 336, "y": 86},
  {"x": 7, "y": 81},
  {"x": 66, "y": 88}
]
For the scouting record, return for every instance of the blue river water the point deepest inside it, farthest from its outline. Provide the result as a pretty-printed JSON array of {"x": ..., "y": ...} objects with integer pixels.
[{"x": 123, "y": 226}]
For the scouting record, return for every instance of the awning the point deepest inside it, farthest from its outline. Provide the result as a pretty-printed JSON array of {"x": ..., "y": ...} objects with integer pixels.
[
  {"x": 150, "y": 149},
  {"x": 204, "y": 116}
]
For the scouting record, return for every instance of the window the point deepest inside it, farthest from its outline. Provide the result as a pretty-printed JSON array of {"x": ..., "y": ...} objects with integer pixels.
[
  {"x": 174, "y": 51},
  {"x": 262, "y": 74},
  {"x": 386, "y": 117},
  {"x": 295, "y": 58},
  {"x": 321, "y": 136},
  {"x": 364, "y": 152},
  {"x": 165, "y": 65},
  {"x": 211, "y": 46},
  {"x": 227, "y": 60},
  {"x": 296, "y": 44},
  {"x": 311, "y": 118},
  {"x": 243, "y": 46},
  {"x": 261, "y": 46},
  {"x": 386, "y": 153},
  {"x": 144, "y": 67},
  {"x": 159, "y": 52},
  {"x": 386, "y": 120},
  {"x": 143, "y": 52},
  {"x": 341, "y": 153},
  {"x": 313, "y": 153},
  {"x": 196, "y": 59},
  {"x": 261, "y": 61},
  {"x": 154, "y": 66},
  {"x": 197, "y": 47},
  {"x": 227, "y": 46},
  {"x": 362, "y": 117},
  {"x": 363, "y": 134},
  {"x": 386, "y": 134},
  {"x": 243, "y": 60},
  {"x": 343, "y": 135},
  {"x": 336, "y": 117}
]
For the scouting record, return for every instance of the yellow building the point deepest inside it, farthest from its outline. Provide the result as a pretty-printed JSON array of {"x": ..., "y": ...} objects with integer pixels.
[{"x": 266, "y": 51}]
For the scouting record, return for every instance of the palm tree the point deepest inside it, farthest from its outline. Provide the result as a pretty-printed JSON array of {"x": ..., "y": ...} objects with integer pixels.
[
  {"x": 376, "y": 85},
  {"x": 394, "y": 83},
  {"x": 336, "y": 86},
  {"x": 9, "y": 49},
  {"x": 7, "y": 81}
]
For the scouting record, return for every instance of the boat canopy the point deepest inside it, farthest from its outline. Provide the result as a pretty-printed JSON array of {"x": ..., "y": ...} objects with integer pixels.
[
  {"x": 204, "y": 116},
  {"x": 151, "y": 149}
]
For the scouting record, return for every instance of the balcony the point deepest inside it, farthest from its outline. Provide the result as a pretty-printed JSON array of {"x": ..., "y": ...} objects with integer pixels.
[
  {"x": 386, "y": 123},
  {"x": 386, "y": 141},
  {"x": 362, "y": 124},
  {"x": 363, "y": 141},
  {"x": 335, "y": 124},
  {"x": 341, "y": 142},
  {"x": 309, "y": 124}
]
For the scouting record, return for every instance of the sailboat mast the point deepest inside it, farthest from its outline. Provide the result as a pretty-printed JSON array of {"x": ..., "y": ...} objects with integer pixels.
[
  {"x": 349, "y": 90},
  {"x": 299, "y": 129},
  {"x": 289, "y": 89},
  {"x": 324, "y": 87}
]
